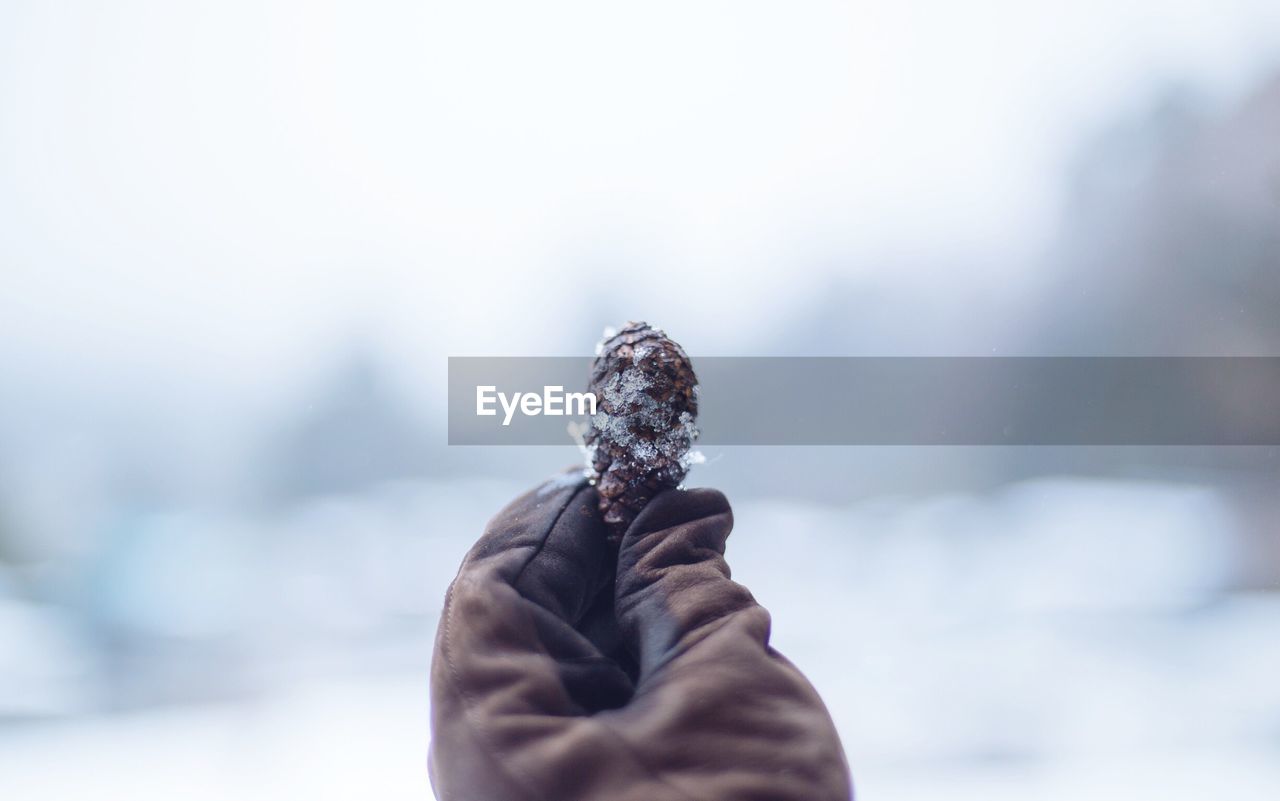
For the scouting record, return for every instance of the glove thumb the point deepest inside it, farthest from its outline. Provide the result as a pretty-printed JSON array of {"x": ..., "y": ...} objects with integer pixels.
[{"x": 673, "y": 584}]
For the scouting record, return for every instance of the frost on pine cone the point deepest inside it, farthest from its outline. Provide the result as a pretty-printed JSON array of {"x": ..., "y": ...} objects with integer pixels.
[{"x": 639, "y": 440}]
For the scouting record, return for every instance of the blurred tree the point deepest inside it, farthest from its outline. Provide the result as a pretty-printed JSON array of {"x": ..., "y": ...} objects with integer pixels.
[
  {"x": 1171, "y": 238},
  {"x": 356, "y": 432}
]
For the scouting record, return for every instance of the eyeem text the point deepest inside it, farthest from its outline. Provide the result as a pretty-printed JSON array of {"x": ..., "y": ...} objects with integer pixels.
[{"x": 553, "y": 401}]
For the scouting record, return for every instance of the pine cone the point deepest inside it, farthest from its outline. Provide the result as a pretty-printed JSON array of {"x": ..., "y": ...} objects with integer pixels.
[{"x": 639, "y": 440}]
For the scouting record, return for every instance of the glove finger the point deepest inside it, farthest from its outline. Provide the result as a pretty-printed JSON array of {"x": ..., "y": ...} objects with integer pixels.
[
  {"x": 673, "y": 583},
  {"x": 569, "y": 579},
  {"x": 549, "y": 544},
  {"x": 518, "y": 597},
  {"x": 513, "y": 680},
  {"x": 714, "y": 701}
]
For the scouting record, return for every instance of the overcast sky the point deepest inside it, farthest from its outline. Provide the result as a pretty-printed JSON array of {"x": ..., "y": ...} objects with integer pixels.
[{"x": 227, "y": 189}]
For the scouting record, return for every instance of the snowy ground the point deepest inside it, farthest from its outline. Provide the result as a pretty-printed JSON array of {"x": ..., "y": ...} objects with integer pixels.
[
  {"x": 367, "y": 740},
  {"x": 1054, "y": 640}
]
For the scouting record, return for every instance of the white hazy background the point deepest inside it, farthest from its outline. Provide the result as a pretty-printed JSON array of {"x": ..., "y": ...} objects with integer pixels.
[{"x": 238, "y": 241}]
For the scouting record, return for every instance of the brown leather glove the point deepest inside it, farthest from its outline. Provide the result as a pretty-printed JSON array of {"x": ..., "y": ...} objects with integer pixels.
[{"x": 567, "y": 671}]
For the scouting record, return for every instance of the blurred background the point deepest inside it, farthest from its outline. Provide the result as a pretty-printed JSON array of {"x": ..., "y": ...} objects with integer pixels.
[{"x": 238, "y": 241}]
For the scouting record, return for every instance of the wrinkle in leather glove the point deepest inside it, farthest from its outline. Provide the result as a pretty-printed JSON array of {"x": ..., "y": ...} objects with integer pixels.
[{"x": 570, "y": 669}]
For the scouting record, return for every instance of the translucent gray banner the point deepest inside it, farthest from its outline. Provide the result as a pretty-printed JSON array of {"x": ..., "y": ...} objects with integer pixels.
[{"x": 900, "y": 401}]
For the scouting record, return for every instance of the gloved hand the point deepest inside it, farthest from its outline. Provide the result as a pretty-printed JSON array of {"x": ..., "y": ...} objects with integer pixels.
[{"x": 568, "y": 670}]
